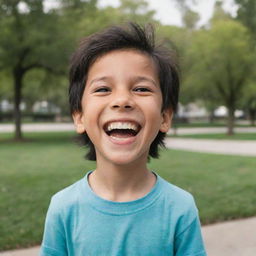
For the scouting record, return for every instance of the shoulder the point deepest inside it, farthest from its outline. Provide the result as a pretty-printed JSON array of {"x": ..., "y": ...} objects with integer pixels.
[
  {"x": 180, "y": 201},
  {"x": 180, "y": 206},
  {"x": 67, "y": 197},
  {"x": 176, "y": 194}
]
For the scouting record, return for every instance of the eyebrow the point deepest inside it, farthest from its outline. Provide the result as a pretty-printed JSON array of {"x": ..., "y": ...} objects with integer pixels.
[
  {"x": 144, "y": 78},
  {"x": 135, "y": 79},
  {"x": 103, "y": 78}
]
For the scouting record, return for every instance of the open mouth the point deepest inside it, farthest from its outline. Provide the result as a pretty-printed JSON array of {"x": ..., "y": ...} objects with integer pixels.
[{"x": 119, "y": 129}]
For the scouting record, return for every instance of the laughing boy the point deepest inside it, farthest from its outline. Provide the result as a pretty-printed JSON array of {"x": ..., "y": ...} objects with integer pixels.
[{"x": 123, "y": 93}]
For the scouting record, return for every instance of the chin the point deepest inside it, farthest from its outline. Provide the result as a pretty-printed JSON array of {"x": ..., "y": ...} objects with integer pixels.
[{"x": 125, "y": 159}]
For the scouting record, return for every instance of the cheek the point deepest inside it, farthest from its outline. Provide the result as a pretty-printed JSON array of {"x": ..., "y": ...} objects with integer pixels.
[
  {"x": 92, "y": 110},
  {"x": 154, "y": 115},
  {"x": 88, "y": 103},
  {"x": 153, "y": 107},
  {"x": 89, "y": 111}
]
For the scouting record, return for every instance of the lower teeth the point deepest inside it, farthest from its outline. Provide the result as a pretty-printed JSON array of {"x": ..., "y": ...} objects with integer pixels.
[{"x": 122, "y": 133}]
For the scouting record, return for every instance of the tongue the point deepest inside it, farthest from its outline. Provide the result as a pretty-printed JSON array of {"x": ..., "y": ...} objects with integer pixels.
[{"x": 122, "y": 133}]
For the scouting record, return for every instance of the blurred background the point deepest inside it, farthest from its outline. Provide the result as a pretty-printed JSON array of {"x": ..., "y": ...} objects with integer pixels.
[{"x": 215, "y": 41}]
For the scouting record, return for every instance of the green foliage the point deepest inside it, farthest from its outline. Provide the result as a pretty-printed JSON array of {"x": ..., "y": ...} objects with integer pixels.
[
  {"x": 5, "y": 85},
  {"x": 180, "y": 40},
  {"x": 32, "y": 38},
  {"x": 226, "y": 55},
  {"x": 190, "y": 18},
  {"x": 219, "y": 13},
  {"x": 136, "y": 10},
  {"x": 29, "y": 36},
  {"x": 246, "y": 14},
  {"x": 41, "y": 85},
  {"x": 35, "y": 46},
  {"x": 223, "y": 63},
  {"x": 249, "y": 99}
]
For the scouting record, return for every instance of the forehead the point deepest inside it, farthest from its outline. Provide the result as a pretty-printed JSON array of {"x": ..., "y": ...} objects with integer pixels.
[{"x": 134, "y": 61}]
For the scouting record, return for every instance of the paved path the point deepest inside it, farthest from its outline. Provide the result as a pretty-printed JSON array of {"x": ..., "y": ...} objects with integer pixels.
[
  {"x": 227, "y": 147},
  {"x": 201, "y": 145},
  {"x": 38, "y": 127},
  {"x": 34, "y": 251},
  {"x": 205, "y": 130},
  {"x": 233, "y": 238}
]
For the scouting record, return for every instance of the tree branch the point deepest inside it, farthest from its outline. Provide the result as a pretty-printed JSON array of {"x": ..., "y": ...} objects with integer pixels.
[{"x": 221, "y": 90}]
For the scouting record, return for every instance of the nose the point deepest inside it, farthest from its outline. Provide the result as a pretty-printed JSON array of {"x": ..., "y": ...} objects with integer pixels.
[{"x": 122, "y": 100}]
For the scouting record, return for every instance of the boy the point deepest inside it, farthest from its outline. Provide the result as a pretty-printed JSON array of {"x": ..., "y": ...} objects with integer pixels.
[{"x": 123, "y": 92}]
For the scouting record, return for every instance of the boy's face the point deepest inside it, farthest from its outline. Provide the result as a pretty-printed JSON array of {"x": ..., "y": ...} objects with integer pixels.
[{"x": 121, "y": 107}]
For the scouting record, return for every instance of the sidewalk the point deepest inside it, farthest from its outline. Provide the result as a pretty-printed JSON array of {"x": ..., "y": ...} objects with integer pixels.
[
  {"x": 205, "y": 130},
  {"x": 34, "y": 251},
  {"x": 38, "y": 127},
  {"x": 233, "y": 238},
  {"x": 227, "y": 147}
]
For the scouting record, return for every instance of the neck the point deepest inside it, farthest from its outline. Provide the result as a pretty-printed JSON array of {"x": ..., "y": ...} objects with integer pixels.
[{"x": 121, "y": 182}]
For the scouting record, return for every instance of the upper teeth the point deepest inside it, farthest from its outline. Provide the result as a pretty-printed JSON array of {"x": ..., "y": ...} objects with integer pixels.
[{"x": 122, "y": 125}]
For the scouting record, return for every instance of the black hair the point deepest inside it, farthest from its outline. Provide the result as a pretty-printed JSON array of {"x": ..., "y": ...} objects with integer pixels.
[{"x": 113, "y": 38}]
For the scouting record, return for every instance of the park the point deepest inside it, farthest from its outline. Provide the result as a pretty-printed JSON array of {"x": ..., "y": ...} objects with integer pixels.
[{"x": 213, "y": 157}]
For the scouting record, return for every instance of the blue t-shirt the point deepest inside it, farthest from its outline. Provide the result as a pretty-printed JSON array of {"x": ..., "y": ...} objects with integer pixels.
[{"x": 163, "y": 222}]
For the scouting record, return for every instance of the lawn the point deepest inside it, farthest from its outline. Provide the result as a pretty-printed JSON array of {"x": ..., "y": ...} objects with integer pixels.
[
  {"x": 30, "y": 172},
  {"x": 220, "y": 136}
]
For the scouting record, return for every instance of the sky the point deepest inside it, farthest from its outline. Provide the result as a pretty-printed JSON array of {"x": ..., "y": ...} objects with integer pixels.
[{"x": 168, "y": 13}]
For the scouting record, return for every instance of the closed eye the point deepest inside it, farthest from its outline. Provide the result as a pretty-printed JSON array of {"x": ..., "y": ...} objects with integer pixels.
[
  {"x": 102, "y": 89},
  {"x": 142, "y": 89}
]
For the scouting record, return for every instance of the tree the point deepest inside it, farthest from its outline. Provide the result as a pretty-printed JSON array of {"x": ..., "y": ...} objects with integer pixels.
[
  {"x": 5, "y": 82},
  {"x": 184, "y": 4},
  {"x": 41, "y": 85},
  {"x": 190, "y": 18},
  {"x": 100, "y": 18},
  {"x": 178, "y": 39},
  {"x": 249, "y": 102},
  {"x": 30, "y": 39},
  {"x": 21, "y": 44},
  {"x": 136, "y": 10},
  {"x": 5, "y": 93},
  {"x": 222, "y": 64},
  {"x": 219, "y": 13},
  {"x": 246, "y": 14}
]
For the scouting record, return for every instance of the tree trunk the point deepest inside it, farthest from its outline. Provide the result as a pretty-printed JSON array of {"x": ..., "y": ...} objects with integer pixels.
[
  {"x": 252, "y": 115},
  {"x": 211, "y": 116},
  {"x": 18, "y": 75},
  {"x": 231, "y": 121}
]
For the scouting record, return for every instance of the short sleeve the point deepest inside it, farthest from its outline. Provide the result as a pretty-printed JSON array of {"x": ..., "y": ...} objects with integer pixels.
[
  {"x": 190, "y": 242},
  {"x": 54, "y": 242}
]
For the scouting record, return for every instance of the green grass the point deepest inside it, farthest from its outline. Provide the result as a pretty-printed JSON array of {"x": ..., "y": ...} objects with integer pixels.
[
  {"x": 223, "y": 186},
  {"x": 220, "y": 136},
  {"x": 31, "y": 172}
]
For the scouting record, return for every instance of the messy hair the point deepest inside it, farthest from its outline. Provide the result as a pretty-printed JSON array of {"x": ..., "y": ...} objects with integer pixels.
[{"x": 131, "y": 36}]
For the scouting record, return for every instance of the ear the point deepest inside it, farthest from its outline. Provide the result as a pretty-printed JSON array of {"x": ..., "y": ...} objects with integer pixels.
[
  {"x": 79, "y": 122},
  {"x": 166, "y": 120}
]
